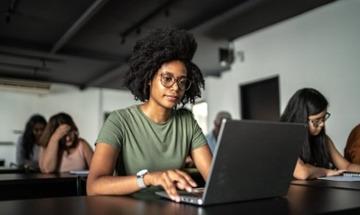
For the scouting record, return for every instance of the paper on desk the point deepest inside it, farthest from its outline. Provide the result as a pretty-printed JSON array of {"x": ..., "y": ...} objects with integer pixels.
[
  {"x": 79, "y": 172},
  {"x": 341, "y": 178}
]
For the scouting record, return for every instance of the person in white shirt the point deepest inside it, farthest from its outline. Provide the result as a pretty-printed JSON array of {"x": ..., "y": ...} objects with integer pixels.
[{"x": 27, "y": 147}]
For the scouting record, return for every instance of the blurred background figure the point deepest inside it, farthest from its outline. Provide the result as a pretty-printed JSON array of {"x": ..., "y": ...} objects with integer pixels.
[
  {"x": 352, "y": 149},
  {"x": 213, "y": 135},
  {"x": 28, "y": 145},
  {"x": 62, "y": 148}
]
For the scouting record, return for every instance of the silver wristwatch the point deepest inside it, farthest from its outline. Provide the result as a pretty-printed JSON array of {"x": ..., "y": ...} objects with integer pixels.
[{"x": 140, "y": 178}]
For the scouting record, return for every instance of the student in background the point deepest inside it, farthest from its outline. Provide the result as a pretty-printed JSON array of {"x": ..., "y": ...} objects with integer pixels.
[
  {"x": 63, "y": 150},
  {"x": 147, "y": 144},
  {"x": 28, "y": 145},
  {"x": 352, "y": 149},
  {"x": 319, "y": 156},
  {"x": 212, "y": 136}
]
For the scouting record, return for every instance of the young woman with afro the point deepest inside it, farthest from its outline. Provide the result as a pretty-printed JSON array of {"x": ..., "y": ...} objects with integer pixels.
[{"x": 143, "y": 147}]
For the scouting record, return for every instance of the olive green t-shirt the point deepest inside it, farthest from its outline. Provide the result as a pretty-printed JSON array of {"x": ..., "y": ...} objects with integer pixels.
[{"x": 144, "y": 144}]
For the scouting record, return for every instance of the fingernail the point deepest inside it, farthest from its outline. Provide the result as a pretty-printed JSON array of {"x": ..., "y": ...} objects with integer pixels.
[{"x": 189, "y": 189}]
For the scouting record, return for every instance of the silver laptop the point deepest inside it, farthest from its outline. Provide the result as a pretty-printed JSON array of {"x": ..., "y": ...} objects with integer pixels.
[{"x": 252, "y": 160}]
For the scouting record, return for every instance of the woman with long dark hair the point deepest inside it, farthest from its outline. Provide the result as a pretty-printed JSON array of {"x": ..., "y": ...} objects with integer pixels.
[
  {"x": 319, "y": 156},
  {"x": 62, "y": 148},
  {"x": 27, "y": 148}
]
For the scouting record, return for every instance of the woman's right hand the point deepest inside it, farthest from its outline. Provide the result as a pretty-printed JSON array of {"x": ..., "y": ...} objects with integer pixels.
[
  {"x": 332, "y": 172},
  {"x": 170, "y": 180},
  {"x": 61, "y": 131}
]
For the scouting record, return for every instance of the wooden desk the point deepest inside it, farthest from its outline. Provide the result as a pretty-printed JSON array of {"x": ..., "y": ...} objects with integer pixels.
[
  {"x": 24, "y": 186},
  {"x": 352, "y": 185},
  {"x": 300, "y": 200}
]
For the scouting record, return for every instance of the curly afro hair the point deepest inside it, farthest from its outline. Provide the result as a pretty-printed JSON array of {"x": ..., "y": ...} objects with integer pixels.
[{"x": 161, "y": 46}]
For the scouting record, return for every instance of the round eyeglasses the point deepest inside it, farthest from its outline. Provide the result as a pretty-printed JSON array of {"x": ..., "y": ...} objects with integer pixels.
[
  {"x": 316, "y": 122},
  {"x": 168, "y": 80}
]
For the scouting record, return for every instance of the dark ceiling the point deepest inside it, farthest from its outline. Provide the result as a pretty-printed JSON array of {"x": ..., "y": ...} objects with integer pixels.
[{"x": 87, "y": 42}]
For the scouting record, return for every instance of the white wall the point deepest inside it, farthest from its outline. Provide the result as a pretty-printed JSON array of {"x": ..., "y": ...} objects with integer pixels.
[
  {"x": 86, "y": 107},
  {"x": 318, "y": 49}
]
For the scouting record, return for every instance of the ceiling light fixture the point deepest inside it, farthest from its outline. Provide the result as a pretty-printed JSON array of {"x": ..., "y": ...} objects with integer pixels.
[
  {"x": 24, "y": 86},
  {"x": 123, "y": 40}
]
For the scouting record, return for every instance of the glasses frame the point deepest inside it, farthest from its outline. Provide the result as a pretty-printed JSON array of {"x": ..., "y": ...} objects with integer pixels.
[
  {"x": 316, "y": 123},
  {"x": 173, "y": 80}
]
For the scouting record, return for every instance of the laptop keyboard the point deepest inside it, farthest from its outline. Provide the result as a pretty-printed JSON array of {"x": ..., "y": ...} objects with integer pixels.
[{"x": 197, "y": 192}]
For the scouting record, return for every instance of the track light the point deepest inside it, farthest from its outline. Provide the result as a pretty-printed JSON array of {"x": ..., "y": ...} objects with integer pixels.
[{"x": 123, "y": 40}]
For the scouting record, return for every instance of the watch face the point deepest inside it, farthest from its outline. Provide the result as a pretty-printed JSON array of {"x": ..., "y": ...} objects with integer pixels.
[{"x": 140, "y": 178}]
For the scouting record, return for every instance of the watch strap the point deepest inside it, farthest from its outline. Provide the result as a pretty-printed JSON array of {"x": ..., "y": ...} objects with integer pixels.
[{"x": 140, "y": 178}]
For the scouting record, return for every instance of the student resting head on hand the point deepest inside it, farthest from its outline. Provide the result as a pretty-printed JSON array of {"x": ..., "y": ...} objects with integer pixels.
[{"x": 62, "y": 148}]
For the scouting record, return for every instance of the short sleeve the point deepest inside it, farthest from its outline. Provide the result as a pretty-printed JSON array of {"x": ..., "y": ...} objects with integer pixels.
[
  {"x": 198, "y": 137},
  {"x": 111, "y": 132}
]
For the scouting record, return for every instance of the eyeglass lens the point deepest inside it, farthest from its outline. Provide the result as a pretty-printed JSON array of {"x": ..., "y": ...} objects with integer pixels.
[
  {"x": 168, "y": 80},
  {"x": 317, "y": 122}
]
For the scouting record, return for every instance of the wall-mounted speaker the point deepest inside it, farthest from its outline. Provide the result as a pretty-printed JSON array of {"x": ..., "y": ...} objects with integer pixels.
[{"x": 226, "y": 56}]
